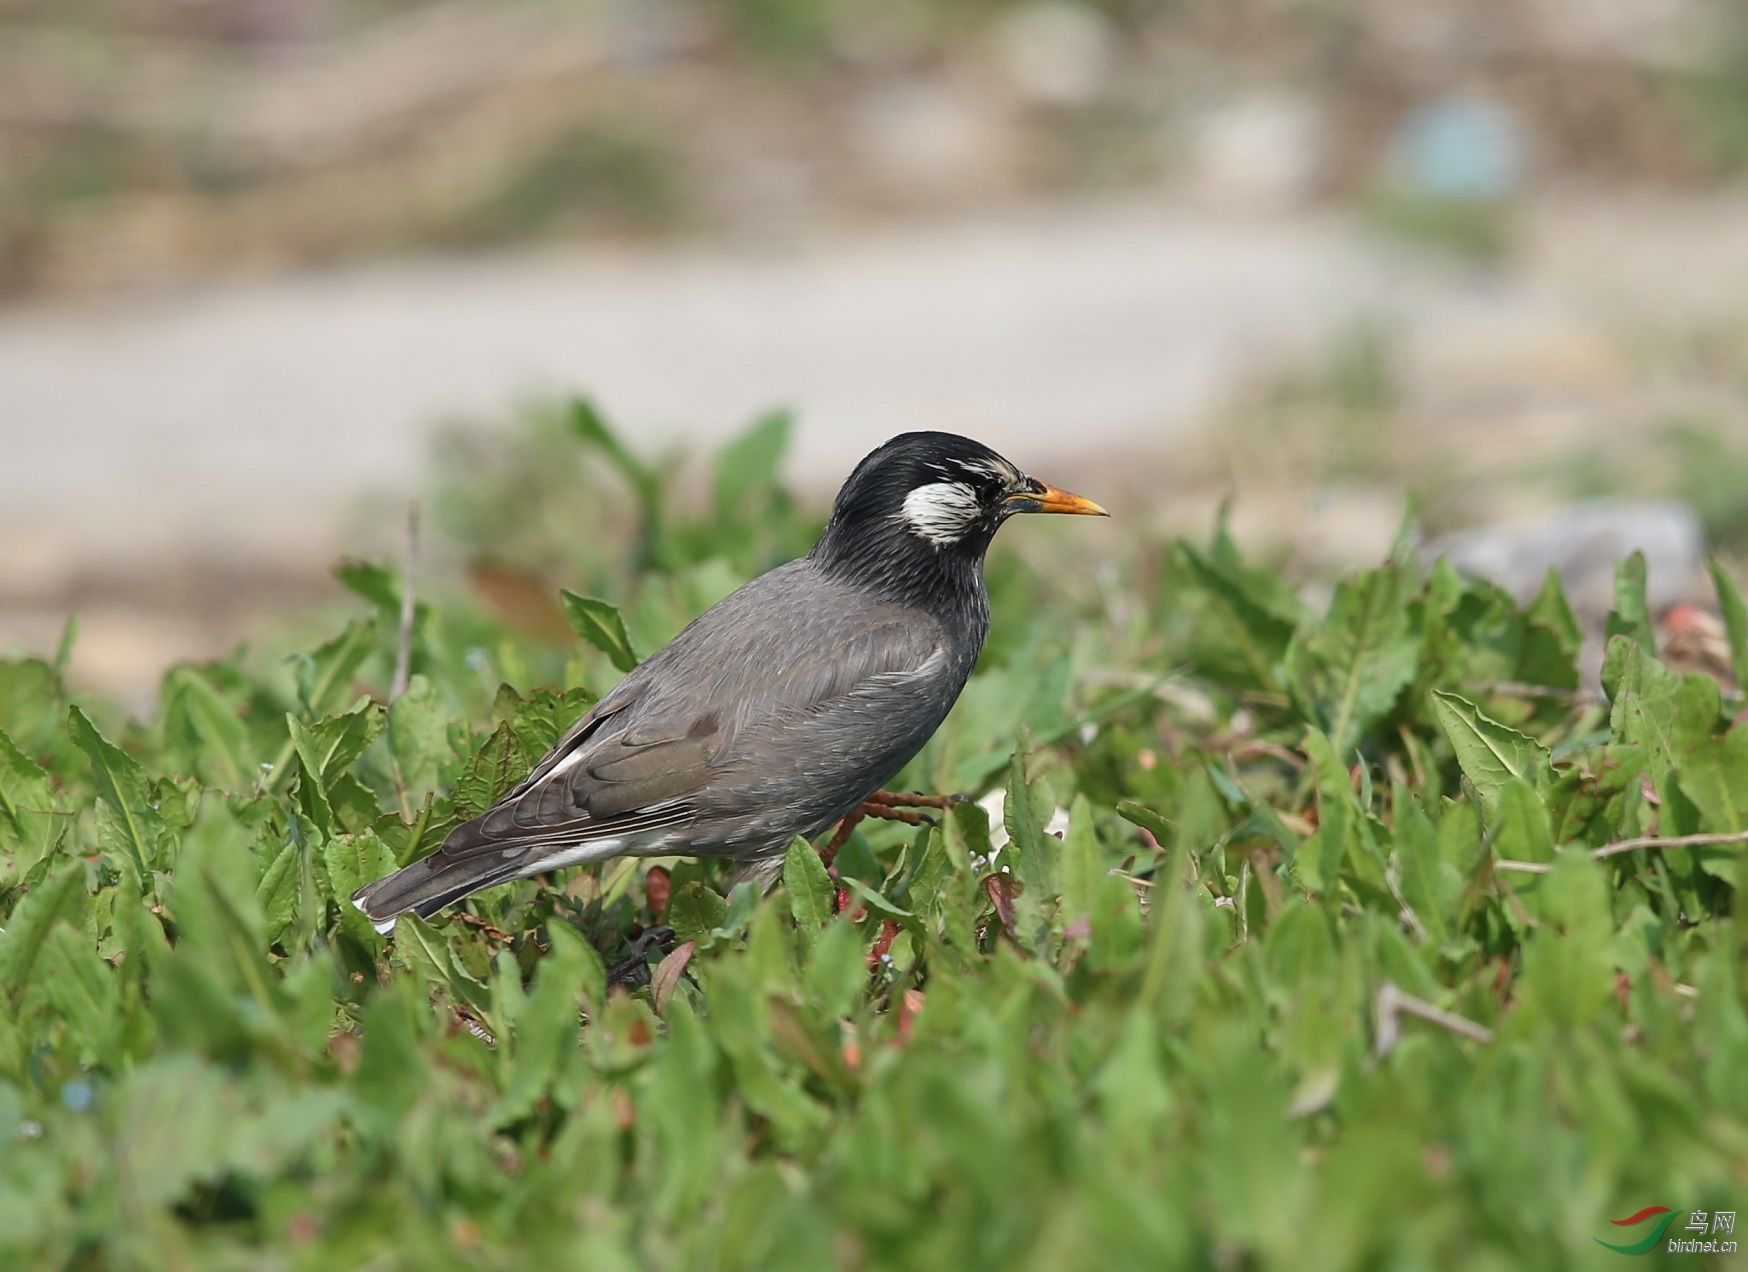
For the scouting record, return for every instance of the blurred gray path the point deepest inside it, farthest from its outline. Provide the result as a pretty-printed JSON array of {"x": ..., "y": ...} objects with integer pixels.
[
  {"x": 252, "y": 415},
  {"x": 254, "y": 412}
]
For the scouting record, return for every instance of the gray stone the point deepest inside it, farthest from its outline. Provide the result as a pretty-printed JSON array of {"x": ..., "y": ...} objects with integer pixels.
[{"x": 1584, "y": 542}]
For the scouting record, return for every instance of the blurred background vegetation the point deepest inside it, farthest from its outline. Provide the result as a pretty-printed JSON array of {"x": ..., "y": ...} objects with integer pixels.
[{"x": 156, "y": 138}]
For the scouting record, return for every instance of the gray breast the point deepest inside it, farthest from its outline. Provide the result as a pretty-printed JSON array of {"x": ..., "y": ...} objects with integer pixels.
[{"x": 815, "y": 694}]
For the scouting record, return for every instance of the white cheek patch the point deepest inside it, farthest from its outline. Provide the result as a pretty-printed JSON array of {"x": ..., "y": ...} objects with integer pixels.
[{"x": 941, "y": 511}]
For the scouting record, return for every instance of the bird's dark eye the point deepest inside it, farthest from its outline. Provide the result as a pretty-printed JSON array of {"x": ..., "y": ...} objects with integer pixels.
[{"x": 989, "y": 481}]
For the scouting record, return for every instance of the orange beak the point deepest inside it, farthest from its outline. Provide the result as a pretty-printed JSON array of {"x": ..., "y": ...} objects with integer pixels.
[{"x": 1040, "y": 497}]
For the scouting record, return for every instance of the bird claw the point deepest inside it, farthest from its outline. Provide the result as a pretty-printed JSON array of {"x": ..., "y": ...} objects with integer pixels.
[
  {"x": 634, "y": 970},
  {"x": 889, "y": 806},
  {"x": 886, "y": 812},
  {"x": 910, "y": 799}
]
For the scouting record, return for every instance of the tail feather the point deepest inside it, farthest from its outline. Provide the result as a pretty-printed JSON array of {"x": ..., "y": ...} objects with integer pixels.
[
  {"x": 467, "y": 863},
  {"x": 425, "y": 887}
]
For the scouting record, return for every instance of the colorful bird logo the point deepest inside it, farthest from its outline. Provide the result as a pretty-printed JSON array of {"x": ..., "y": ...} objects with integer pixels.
[{"x": 1656, "y": 1234}]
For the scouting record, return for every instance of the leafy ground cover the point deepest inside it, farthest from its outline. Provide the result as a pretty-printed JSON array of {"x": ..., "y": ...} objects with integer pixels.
[{"x": 1373, "y": 939}]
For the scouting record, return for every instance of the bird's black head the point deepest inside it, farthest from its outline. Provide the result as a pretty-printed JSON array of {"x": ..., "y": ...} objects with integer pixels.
[{"x": 917, "y": 515}]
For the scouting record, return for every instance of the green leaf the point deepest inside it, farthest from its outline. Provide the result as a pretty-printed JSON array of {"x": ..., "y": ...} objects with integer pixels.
[
  {"x": 30, "y": 820},
  {"x": 1201, "y": 816},
  {"x": 324, "y": 677},
  {"x": 589, "y": 426},
  {"x": 216, "y": 860},
  {"x": 60, "y": 896},
  {"x": 1631, "y": 616},
  {"x": 1131, "y": 1084},
  {"x": 30, "y": 702},
  {"x": 424, "y": 947},
  {"x": 195, "y": 1005},
  {"x": 750, "y": 462},
  {"x": 1257, "y": 623},
  {"x": 326, "y": 752},
  {"x": 64, "y": 646},
  {"x": 1551, "y": 640},
  {"x": 683, "y": 1105},
  {"x": 1348, "y": 670},
  {"x": 312, "y": 791},
  {"x": 1338, "y": 813},
  {"x": 336, "y": 743},
  {"x": 1083, "y": 864},
  {"x": 211, "y": 734},
  {"x": 932, "y": 870},
  {"x": 835, "y": 975},
  {"x": 492, "y": 770},
  {"x": 740, "y": 1024},
  {"x": 392, "y": 1071},
  {"x": 1026, "y": 811},
  {"x": 1430, "y": 885},
  {"x": 418, "y": 736},
  {"x": 1264, "y": 587},
  {"x": 592, "y": 983},
  {"x": 280, "y": 890},
  {"x": 695, "y": 910},
  {"x": 546, "y": 1027},
  {"x": 372, "y": 580},
  {"x": 240, "y": 932},
  {"x": 1489, "y": 753},
  {"x": 1552, "y": 610},
  {"x": 1580, "y": 800},
  {"x": 1523, "y": 824},
  {"x": 351, "y": 862},
  {"x": 122, "y": 786},
  {"x": 137, "y": 931},
  {"x": 1568, "y": 975},
  {"x": 1714, "y": 775},
  {"x": 1174, "y": 963},
  {"x": 1137, "y": 814},
  {"x": 82, "y": 992},
  {"x": 599, "y": 623},
  {"x": 543, "y": 716},
  {"x": 1735, "y": 615},
  {"x": 1655, "y": 708},
  {"x": 810, "y": 889}
]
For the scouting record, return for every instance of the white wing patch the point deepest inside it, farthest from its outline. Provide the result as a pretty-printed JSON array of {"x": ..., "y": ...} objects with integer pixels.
[{"x": 941, "y": 511}]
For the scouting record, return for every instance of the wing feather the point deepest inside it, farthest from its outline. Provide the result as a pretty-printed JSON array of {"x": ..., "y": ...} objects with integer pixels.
[{"x": 783, "y": 657}]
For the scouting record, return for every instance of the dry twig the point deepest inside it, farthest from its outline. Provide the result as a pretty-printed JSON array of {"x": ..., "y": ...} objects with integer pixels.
[
  {"x": 1393, "y": 1003},
  {"x": 1630, "y": 845}
]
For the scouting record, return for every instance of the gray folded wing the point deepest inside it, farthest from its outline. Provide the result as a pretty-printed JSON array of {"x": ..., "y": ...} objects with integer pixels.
[{"x": 773, "y": 709}]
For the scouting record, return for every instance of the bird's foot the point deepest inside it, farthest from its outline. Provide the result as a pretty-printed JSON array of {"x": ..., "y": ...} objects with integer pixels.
[
  {"x": 908, "y": 799},
  {"x": 634, "y": 971},
  {"x": 888, "y": 806}
]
